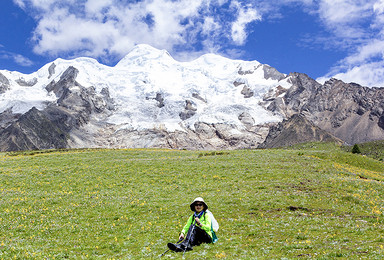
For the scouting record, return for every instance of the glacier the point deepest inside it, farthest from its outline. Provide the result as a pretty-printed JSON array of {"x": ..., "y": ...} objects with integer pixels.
[{"x": 151, "y": 90}]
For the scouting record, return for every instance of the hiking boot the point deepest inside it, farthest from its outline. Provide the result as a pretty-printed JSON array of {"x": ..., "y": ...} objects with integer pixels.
[
  {"x": 175, "y": 247},
  {"x": 189, "y": 248}
]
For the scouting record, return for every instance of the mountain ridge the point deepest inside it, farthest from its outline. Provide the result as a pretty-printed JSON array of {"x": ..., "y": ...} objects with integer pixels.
[{"x": 149, "y": 99}]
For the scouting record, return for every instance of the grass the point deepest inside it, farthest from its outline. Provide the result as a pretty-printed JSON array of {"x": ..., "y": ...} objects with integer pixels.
[
  {"x": 310, "y": 201},
  {"x": 371, "y": 149}
]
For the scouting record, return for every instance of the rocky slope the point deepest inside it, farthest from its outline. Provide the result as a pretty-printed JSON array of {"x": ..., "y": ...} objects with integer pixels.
[
  {"x": 350, "y": 112},
  {"x": 150, "y": 100},
  {"x": 296, "y": 129}
]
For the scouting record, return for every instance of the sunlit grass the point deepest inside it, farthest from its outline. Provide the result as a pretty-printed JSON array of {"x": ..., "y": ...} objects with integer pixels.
[
  {"x": 310, "y": 201},
  {"x": 373, "y": 149}
]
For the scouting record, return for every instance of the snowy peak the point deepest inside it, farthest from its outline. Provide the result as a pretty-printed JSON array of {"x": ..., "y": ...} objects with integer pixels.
[
  {"x": 151, "y": 100},
  {"x": 218, "y": 89},
  {"x": 143, "y": 53},
  {"x": 146, "y": 91}
]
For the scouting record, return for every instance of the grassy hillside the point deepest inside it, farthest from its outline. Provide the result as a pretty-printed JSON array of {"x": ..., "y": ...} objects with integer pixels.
[
  {"x": 372, "y": 149},
  {"x": 313, "y": 201}
]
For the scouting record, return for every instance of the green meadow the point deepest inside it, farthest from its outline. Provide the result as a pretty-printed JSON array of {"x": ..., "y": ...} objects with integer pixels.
[{"x": 313, "y": 201}]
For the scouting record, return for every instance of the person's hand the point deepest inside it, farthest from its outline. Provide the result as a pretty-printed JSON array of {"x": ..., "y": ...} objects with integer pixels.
[
  {"x": 198, "y": 221},
  {"x": 181, "y": 237}
]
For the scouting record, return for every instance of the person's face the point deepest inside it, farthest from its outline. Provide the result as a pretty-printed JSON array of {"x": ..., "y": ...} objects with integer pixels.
[{"x": 199, "y": 207}]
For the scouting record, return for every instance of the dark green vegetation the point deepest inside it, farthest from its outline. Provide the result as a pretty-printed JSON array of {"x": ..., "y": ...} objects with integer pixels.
[
  {"x": 372, "y": 149},
  {"x": 356, "y": 149},
  {"x": 312, "y": 201}
]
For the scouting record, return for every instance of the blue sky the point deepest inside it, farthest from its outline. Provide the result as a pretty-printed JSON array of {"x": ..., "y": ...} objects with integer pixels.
[{"x": 322, "y": 38}]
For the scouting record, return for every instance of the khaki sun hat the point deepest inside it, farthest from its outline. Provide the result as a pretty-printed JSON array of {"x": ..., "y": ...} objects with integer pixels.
[{"x": 198, "y": 199}]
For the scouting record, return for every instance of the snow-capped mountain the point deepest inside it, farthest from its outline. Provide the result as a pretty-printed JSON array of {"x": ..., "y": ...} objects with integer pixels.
[
  {"x": 147, "y": 100},
  {"x": 146, "y": 75}
]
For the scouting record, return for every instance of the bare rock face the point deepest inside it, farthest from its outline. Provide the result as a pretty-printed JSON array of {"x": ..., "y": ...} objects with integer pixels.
[
  {"x": 78, "y": 101},
  {"x": 159, "y": 98},
  {"x": 32, "y": 131},
  {"x": 67, "y": 80},
  {"x": 272, "y": 73},
  {"x": 204, "y": 137},
  {"x": 197, "y": 96},
  {"x": 4, "y": 83},
  {"x": 24, "y": 83},
  {"x": 247, "y": 120},
  {"x": 348, "y": 111},
  {"x": 189, "y": 110},
  {"x": 247, "y": 92},
  {"x": 7, "y": 118},
  {"x": 52, "y": 127},
  {"x": 51, "y": 70},
  {"x": 294, "y": 130}
]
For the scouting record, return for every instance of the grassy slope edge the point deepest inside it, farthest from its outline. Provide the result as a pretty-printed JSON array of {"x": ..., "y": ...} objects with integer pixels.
[
  {"x": 373, "y": 149},
  {"x": 310, "y": 201}
]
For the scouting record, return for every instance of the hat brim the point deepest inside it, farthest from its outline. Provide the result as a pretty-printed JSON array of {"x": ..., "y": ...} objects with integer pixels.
[{"x": 193, "y": 205}]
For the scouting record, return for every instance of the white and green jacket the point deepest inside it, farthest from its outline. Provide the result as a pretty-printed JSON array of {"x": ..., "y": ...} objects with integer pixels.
[{"x": 205, "y": 220}]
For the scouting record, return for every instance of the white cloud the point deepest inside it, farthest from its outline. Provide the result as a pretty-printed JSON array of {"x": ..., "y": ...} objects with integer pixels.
[
  {"x": 359, "y": 25},
  {"x": 23, "y": 61},
  {"x": 244, "y": 17},
  {"x": 17, "y": 58},
  {"x": 96, "y": 7},
  {"x": 369, "y": 74},
  {"x": 20, "y": 3},
  {"x": 346, "y": 18},
  {"x": 110, "y": 28},
  {"x": 343, "y": 11},
  {"x": 210, "y": 25},
  {"x": 366, "y": 52}
]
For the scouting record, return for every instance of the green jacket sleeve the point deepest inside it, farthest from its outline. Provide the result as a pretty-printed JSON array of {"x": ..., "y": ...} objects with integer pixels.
[
  {"x": 186, "y": 227},
  {"x": 206, "y": 222}
]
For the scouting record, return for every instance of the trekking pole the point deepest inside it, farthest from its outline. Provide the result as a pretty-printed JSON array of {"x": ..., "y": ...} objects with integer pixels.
[
  {"x": 181, "y": 239},
  {"x": 189, "y": 238}
]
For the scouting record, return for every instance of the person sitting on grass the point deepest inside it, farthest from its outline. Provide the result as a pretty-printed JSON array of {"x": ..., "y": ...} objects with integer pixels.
[{"x": 197, "y": 230}]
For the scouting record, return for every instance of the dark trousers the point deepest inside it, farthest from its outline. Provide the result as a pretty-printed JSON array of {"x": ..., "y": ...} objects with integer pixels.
[{"x": 196, "y": 236}]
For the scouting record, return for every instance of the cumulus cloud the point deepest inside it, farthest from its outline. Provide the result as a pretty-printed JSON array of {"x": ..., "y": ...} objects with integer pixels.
[
  {"x": 369, "y": 74},
  {"x": 244, "y": 17},
  {"x": 110, "y": 28},
  {"x": 360, "y": 23}
]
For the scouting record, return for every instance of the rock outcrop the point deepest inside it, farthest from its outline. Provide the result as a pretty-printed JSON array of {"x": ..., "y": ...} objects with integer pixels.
[
  {"x": 24, "y": 83},
  {"x": 350, "y": 112},
  {"x": 33, "y": 130},
  {"x": 4, "y": 83},
  {"x": 51, "y": 128},
  {"x": 294, "y": 130}
]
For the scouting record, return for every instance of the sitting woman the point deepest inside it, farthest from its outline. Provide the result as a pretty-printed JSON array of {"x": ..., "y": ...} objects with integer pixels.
[{"x": 198, "y": 228}]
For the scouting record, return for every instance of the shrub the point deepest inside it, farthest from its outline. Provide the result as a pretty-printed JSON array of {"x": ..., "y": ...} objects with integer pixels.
[{"x": 356, "y": 149}]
